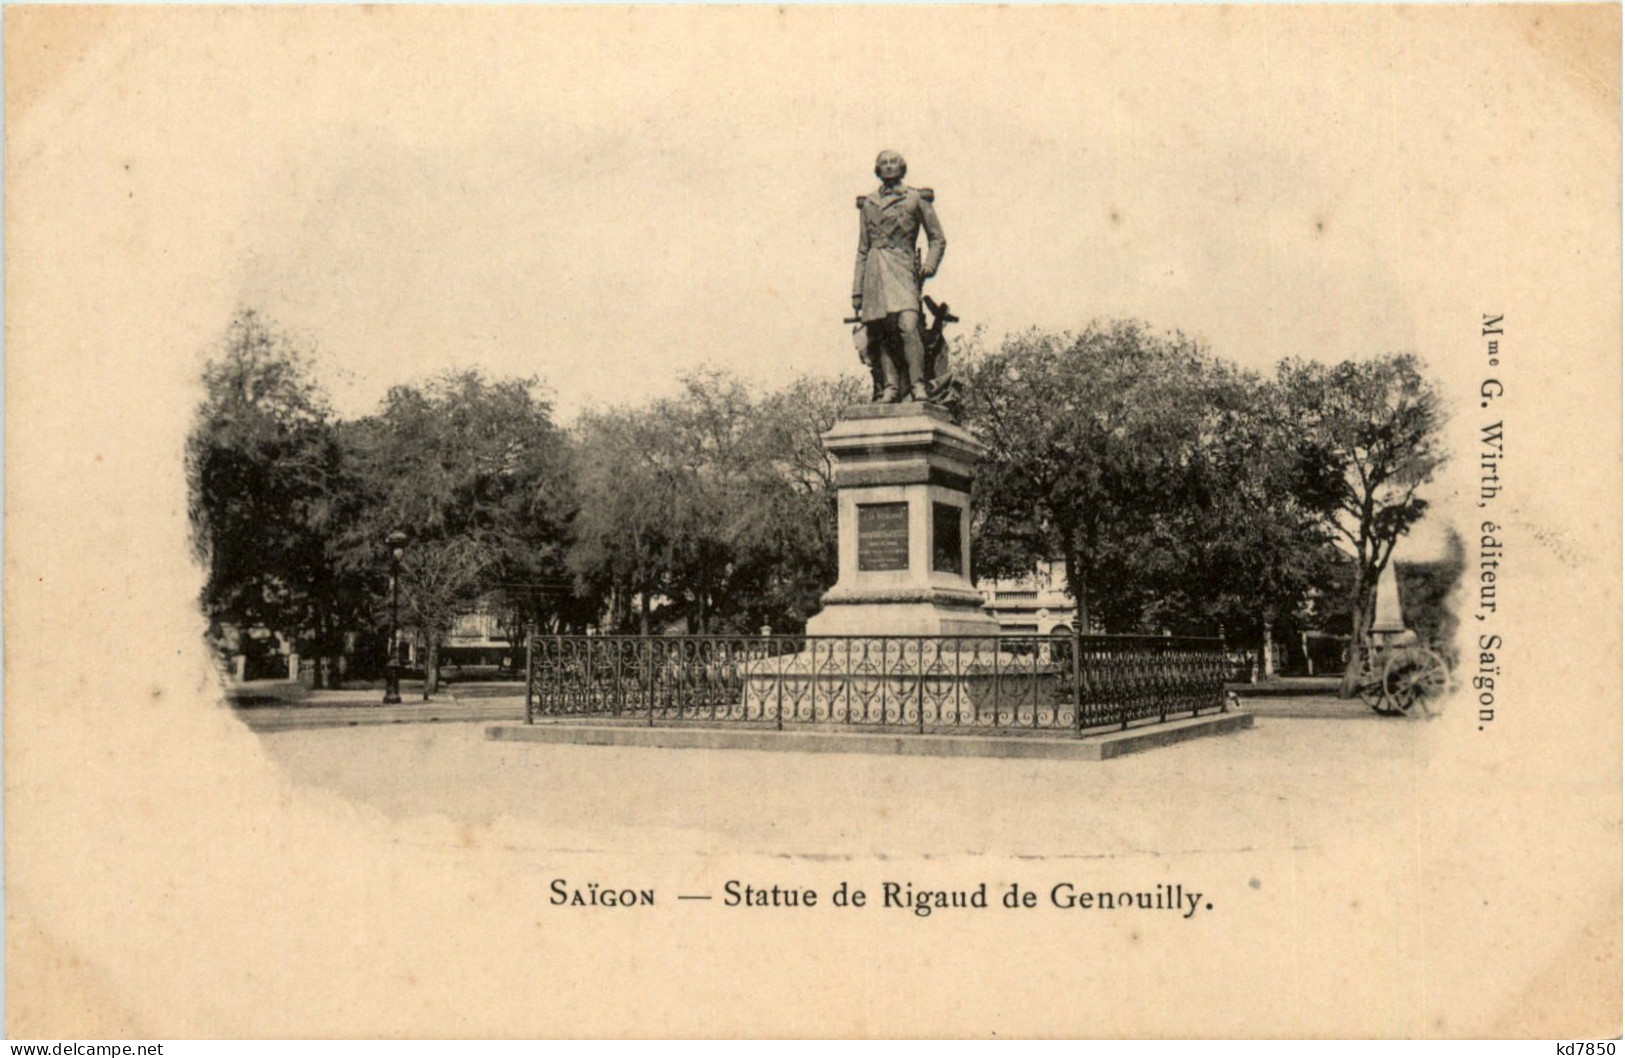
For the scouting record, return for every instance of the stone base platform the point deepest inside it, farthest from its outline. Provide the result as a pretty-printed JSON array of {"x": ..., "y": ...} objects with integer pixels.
[
  {"x": 923, "y": 613},
  {"x": 808, "y": 739},
  {"x": 887, "y": 681}
]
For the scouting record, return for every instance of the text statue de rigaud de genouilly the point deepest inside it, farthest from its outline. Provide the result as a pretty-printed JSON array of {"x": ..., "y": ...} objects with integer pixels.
[{"x": 905, "y": 361}]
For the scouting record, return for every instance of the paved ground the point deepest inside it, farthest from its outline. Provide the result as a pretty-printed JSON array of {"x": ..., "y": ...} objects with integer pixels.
[
  {"x": 593, "y": 797},
  {"x": 354, "y": 711},
  {"x": 1308, "y": 707},
  {"x": 268, "y": 705},
  {"x": 1323, "y": 844}
]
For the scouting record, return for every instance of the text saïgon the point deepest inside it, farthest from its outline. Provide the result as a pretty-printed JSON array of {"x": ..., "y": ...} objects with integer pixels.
[{"x": 595, "y": 894}]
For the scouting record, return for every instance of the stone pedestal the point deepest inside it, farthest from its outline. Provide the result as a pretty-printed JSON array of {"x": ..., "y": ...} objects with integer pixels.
[{"x": 903, "y": 474}]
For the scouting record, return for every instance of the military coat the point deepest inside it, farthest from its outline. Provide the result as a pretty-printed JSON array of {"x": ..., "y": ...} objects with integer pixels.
[{"x": 887, "y": 276}]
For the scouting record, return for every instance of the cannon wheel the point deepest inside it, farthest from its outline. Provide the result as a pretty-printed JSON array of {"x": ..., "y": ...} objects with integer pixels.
[
  {"x": 1369, "y": 683},
  {"x": 1414, "y": 675}
]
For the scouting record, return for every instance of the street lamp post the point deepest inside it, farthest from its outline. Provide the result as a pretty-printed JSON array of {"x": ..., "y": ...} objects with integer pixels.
[{"x": 392, "y": 672}]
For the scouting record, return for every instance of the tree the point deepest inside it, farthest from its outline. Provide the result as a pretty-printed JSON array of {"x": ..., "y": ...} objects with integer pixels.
[
  {"x": 267, "y": 493},
  {"x": 715, "y": 499},
  {"x": 622, "y": 526},
  {"x": 477, "y": 473},
  {"x": 1254, "y": 532},
  {"x": 787, "y": 526},
  {"x": 441, "y": 577},
  {"x": 1379, "y": 423},
  {"x": 1091, "y": 436},
  {"x": 701, "y": 454}
]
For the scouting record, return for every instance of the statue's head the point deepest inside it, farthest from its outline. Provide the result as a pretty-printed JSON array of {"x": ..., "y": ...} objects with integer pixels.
[{"x": 889, "y": 165}]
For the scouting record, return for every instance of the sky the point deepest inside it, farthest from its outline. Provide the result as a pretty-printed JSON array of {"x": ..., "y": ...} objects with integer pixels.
[
  {"x": 606, "y": 209},
  {"x": 607, "y": 199}
]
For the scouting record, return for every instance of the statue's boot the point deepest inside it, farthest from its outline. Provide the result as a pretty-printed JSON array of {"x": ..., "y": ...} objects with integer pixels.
[
  {"x": 877, "y": 383},
  {"x": 889, "y": 373},
  {"x": 914, "y": 354},
  {"x": 870, "y": 354}
]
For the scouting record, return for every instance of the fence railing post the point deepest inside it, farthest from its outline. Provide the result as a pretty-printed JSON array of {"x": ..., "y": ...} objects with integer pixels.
[
  {"x": 530, "y": 677},
  {"x": 1077, "y": 681},
  {"x": 998, "y": 683},
  {"x": 646, "y": 648},
  {"x": 919, "y": 688},
  {"x": 1125, "y": 687},
  {"x": 1192, "y": 674},
  {"x": 1159, "y": 682}
]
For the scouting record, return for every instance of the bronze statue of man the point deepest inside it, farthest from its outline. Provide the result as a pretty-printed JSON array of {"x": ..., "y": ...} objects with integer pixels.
[{"x": 887, "y": 279}]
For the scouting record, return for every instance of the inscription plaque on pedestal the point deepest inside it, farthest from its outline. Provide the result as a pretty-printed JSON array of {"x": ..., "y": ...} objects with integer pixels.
[
  {"x": 882, "y": 537},
  {"x": 946, "y": 547}
]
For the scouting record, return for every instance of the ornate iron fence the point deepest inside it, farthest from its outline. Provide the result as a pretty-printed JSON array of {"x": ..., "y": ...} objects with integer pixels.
[{"x": 936, "y": 684}]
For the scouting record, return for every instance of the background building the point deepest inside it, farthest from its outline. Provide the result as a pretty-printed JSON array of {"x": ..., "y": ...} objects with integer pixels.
[{"x": 1036, "y": 604}]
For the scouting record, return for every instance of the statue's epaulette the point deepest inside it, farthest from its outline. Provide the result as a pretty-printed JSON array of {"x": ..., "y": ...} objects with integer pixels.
[{"x": 924, "y": 192}]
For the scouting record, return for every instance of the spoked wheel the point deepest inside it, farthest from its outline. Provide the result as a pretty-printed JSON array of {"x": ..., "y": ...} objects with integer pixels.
[
  {"x": 1369, "y": 682},
  {"x": 1414, "y": 676}
]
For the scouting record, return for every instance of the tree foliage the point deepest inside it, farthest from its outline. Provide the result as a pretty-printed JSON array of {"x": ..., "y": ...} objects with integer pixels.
[
  {"x": 622, "y": 528},
  {"x": 1092, "y": 436},
  {"x": 476, "y": 472},
  {"x": 716, "y": 500},
  {"x": 1252, "y": 536},
  {"x": 787, "y": 534},
  {"x": 1181, "y": 492},
  {"x": 1379, "y": 423},
  {"x": 267, "y": 481}
]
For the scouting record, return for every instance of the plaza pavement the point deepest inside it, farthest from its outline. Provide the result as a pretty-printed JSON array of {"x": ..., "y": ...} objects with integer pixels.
[
  {"x": 1305, "y": 834},
  {"x": 1345, "y": 754},
  {"x": 467, "y": 703}
]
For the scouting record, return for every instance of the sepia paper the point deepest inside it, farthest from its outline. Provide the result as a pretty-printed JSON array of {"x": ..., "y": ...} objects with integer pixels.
[{"x": 556, "y": 191}]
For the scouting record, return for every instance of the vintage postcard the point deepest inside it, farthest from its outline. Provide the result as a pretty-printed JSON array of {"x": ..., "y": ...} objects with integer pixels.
[{"x": 812, "y": 521}]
